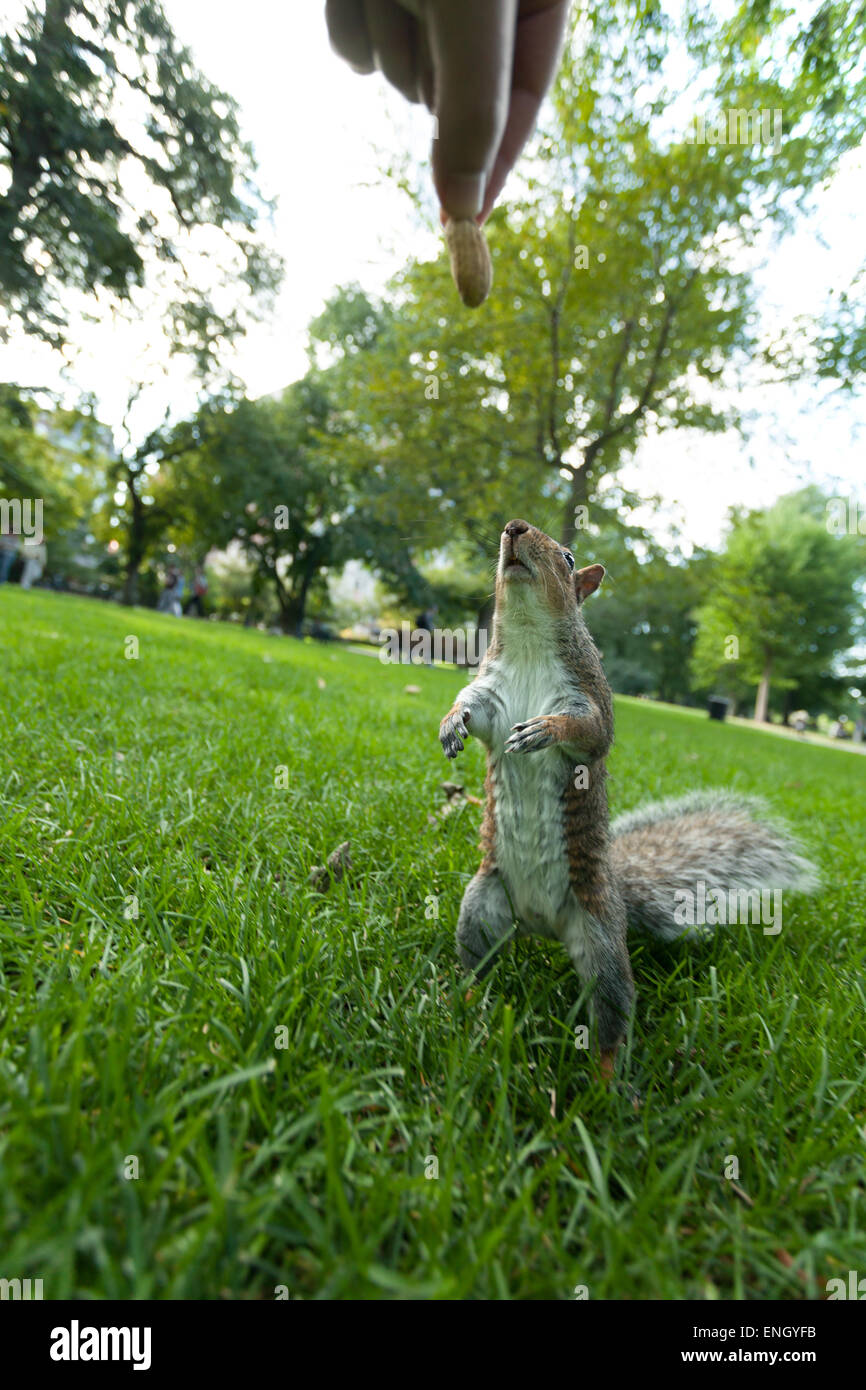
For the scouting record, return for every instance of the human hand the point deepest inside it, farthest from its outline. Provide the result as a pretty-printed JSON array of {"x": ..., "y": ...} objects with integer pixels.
[{"x": 482, "y": 67}]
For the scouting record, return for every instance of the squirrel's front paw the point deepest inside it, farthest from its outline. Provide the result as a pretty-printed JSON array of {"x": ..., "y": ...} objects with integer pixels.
[
  {"x": 529, "y": 737},
  {"x": 452, "y": 731}
]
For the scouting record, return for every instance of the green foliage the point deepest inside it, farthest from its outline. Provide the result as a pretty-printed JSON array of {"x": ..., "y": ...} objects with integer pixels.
[
  {"x": 266, "y": 476},
  {"x": 841, "y": 341},
  {"x": 644, "y": 617},
  {"x": 27, "y": 462},
  {"x": 425, "y": 435},
  {"x": 460, "y": 584},
  {"x": 140, "y": 520},
  {"x": 619, "y": 300},
  {"x": 60, "y": 457},
  {"x": 122, "y": 163},
  {"x": 786, "y": 589},
  {"x": 255, "y": 473}
]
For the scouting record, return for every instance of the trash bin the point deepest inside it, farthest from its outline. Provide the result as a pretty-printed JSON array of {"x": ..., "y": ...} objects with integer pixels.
[{"x": 718, "y": 706}]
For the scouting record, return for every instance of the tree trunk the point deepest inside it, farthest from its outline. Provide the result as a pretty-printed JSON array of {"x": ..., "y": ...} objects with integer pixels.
[
  {"x": 292, "y": 618},
  {"x": 762, "y": 700},
  {"x": 293, "y": 602},
  {"x": 292, "y": 607},
  {"x": 135, "y": 540},
  {"x": 578, "y": 496},
  {"x": 130, "y": 584}
]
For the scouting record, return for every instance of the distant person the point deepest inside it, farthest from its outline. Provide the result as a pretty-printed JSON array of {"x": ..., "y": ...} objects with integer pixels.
[
  {"x": 35, "y": 559},
  {"x": 169, "y": 599},
  {"x": 9, "y": 543},
  {"x": 199, "y": 589},
  {"x": 164, "y": 602}
]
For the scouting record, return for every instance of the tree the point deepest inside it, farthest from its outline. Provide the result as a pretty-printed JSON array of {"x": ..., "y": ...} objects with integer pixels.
[
  {"x": 841, "y": 344},
  {"x": 257, "y": 474},
  {"x": 146, "y": 520},
  {"x": 425, "y": 448},
  {"x": 27, "y": 460},
  {"x": 137, "y": 511},
  {"x": 123, "y": 166},
  {"x": 784, "y": 599},
  {"x": 619, "y": 302},
  {"x": 644, "y": 618},
  {"x": 57, "y": 458}
]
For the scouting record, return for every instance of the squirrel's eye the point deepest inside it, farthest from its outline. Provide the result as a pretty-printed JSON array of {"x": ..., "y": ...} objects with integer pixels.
[{"x": 569, "y": 559}]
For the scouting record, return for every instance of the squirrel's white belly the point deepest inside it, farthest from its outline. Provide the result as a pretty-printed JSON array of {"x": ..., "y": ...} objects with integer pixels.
[{"x": 530, "y": 848}]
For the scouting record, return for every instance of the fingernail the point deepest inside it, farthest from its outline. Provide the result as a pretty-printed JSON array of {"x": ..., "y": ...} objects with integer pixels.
[{"x": 463, "y": 194}]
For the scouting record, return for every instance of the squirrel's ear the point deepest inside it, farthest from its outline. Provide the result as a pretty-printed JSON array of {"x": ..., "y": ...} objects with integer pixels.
[{"x": 587, "y": 580}]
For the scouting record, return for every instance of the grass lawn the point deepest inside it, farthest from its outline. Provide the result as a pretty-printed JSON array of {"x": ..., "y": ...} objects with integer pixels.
[{"x": 159, "y": 940}]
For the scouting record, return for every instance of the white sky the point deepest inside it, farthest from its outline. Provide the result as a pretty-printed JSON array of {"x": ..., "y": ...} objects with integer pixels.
[{"x": 316, "y": 128}]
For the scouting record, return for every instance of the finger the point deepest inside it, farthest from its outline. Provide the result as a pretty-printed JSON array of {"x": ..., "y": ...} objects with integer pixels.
[
  {"x": 424, "y": 66},
  {"x": 347, "y": 30},
  {"x": 393, "y": 32},
  {"x": 472, "y": 50},
  {"x": 537, "y": 48}
]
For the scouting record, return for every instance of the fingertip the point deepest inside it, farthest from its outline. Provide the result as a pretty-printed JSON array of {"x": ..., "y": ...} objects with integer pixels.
[
  {"x": 472, "y": 52},
  {"x": 495, "y": 185},
  {"x": 461, "y": 195}
]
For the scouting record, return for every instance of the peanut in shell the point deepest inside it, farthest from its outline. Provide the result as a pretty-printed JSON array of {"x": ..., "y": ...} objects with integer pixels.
[{"x": 471, "y": 266}]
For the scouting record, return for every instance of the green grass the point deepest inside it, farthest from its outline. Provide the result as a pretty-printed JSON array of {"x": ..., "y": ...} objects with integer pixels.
[{"x": 152, "y": 1037}]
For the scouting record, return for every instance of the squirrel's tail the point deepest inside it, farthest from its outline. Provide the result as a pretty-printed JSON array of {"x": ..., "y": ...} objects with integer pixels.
[{"x": 718, "y": 848}]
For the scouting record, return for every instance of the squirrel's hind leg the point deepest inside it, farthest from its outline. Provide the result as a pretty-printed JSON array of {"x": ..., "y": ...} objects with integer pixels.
[
  {"x": 599, "y": 954},
  {"x": 485, "y": 923}
]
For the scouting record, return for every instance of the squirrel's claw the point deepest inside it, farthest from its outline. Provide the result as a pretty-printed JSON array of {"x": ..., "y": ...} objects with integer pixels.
[
  {"x": 452, "y": 732},
  {"x": 529, "y": 737}
]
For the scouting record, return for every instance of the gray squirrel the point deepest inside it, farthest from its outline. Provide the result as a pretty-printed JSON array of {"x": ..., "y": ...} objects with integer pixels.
[{"x": 552, "y": 863}]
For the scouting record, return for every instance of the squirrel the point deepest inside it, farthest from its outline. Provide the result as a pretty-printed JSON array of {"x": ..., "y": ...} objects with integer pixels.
[{"x": 551, "y": 862}]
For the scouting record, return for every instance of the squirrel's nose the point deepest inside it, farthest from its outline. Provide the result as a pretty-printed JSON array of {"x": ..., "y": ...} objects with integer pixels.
[{"x": 516, "y": 528}]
